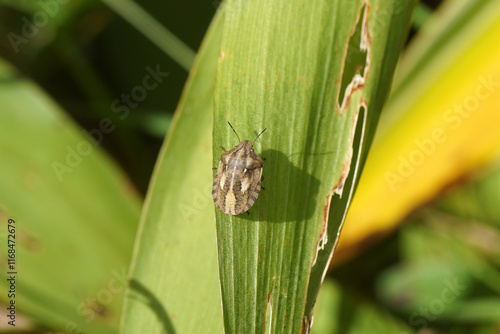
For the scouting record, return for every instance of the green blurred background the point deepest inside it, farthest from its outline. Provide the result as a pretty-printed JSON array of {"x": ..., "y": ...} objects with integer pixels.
[{"x": 87, "y": 56}]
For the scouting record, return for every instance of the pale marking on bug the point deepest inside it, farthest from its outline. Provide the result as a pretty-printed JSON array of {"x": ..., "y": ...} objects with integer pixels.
[
  {"x": 230, "y": 200},
  {"x": 222, "y": 181},
  {"x": 245, "y": 184}
]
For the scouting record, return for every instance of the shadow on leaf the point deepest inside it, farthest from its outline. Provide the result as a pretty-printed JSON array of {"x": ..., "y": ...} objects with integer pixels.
[
  {"x": 142, "y": 293},
  {"x": 289, "y": 195}
]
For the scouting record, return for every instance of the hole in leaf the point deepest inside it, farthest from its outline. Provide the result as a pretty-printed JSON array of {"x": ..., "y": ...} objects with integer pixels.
[{"x": 355, "y": 59}]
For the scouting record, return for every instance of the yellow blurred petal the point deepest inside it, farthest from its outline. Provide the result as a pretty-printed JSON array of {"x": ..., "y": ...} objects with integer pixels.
[{"x": 443, "y": 125}]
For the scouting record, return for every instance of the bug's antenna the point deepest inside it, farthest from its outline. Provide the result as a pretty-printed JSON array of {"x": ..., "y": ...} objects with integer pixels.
[
  {"x": 234, "y": 131},
  {"x": 258, "y": 136}
]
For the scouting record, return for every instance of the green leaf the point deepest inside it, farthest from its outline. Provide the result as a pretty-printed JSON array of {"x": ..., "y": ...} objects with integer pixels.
[
  {"x": 174, "y": 283},
  {"x": 477, "y": 200},
  {"x": 485, "y": 309},
  {"x": 315, "y": 75},
  {"x": 41, "y": 17},
  {"x": 422, "y": 14},
  {"x": 25, "y": 5},
  {"x": 340, "y": 311},
  {"x": 75, "y": 213}
]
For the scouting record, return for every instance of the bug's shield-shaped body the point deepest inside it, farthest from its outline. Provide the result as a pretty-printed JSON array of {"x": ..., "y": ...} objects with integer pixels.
[{"x": 237, "y": 182}]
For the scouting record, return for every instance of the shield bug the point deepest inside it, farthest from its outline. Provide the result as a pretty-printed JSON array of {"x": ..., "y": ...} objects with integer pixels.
[{"x": 237, "y": 181}]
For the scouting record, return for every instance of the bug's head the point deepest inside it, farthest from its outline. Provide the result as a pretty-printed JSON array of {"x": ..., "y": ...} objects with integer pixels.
[{"x": 246, "y": 146}]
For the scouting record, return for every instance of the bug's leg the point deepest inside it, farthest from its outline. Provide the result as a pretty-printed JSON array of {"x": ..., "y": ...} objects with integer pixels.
[
  {"x": 223, "y": 148},
  {"x": 263, "y": 158},
  {"x": 248, "y": 212},
  {"x": 214, "y": 168}
]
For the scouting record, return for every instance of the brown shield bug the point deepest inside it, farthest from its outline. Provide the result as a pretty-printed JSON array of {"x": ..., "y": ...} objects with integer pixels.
[{"x": 237, "y": 181}]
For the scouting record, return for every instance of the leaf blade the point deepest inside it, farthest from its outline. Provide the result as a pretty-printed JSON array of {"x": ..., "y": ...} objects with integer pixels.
[
  {"x": 176, "y": 228},
  {"x": 66, "y": 243},
  {"x": 264, "y": 80}
]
